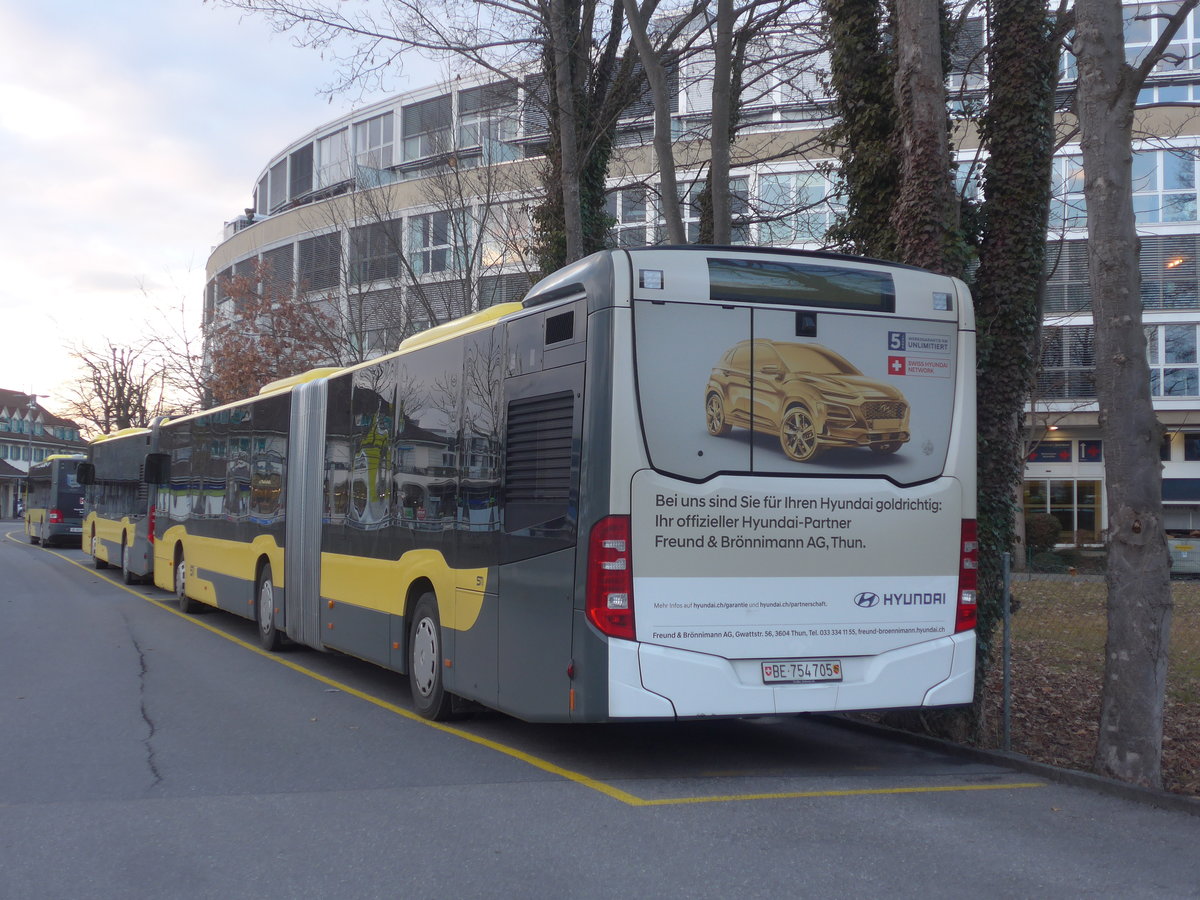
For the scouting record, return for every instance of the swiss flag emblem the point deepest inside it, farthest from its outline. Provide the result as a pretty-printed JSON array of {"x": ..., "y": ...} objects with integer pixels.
[{"x": 896, "y": 365}]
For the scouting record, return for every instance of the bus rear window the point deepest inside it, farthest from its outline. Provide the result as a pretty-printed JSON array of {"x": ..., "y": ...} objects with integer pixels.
[{"x": 800, "y": 284}]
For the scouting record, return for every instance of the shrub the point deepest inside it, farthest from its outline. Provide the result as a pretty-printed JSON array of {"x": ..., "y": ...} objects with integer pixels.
[{"x": 1042, "y": 531}]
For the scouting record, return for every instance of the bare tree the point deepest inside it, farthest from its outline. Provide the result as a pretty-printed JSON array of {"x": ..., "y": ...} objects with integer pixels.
[
  {"x": 424, "y": 251},
  {"x": 639, "y": 17},
  {"x": 121, "y": 386},
  {"x": 176, "y": 340},
  {"x": 1139, "y": 587},
  {"x": 574, "y": 54}
]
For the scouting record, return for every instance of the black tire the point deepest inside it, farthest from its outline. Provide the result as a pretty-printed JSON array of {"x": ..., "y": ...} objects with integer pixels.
[
  {"x": 798, "y": 434},
  {"x": 714, "y": 415},
  {"x": 186, "y": 603},
  {"x": 127, "y": 576},
  {"x": 269, "y": 637},
  {"x": 96, "y": 560},
  {"x": 429, "y": 696}
]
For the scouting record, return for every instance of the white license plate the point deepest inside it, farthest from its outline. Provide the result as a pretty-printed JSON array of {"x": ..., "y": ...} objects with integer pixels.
[
  {"x": 801, "y": 671},
  {"x": 77, "y": 530}
]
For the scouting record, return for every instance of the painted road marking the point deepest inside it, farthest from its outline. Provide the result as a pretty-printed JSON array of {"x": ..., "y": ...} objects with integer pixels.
[{"x": 537, "y": 762}]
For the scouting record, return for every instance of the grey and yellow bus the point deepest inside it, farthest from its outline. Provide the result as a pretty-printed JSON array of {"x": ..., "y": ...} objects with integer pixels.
[
  {"x": 54, "y": 501},
  {"x": 119, "y": 523},
  {"x": 670, "y": 483}
]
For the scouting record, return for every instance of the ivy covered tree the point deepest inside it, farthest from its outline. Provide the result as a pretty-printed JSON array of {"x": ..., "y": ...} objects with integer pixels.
[{"x": 882, "y": 145}]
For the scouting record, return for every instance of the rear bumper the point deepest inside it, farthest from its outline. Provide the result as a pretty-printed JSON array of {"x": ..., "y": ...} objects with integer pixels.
[{"x": 648, "y": 681}]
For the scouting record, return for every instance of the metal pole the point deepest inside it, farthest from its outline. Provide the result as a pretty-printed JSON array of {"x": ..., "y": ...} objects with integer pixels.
[{"x": 1006, "y": 742}]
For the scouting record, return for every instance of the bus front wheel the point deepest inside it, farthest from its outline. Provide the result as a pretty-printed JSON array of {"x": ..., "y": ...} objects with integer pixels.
[
  {"x": 269, "y": 637},
  {"x": 429, "y": 696}
]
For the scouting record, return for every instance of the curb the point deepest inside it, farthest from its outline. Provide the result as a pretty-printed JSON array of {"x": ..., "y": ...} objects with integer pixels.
[{"x": 1018, "y": 762}]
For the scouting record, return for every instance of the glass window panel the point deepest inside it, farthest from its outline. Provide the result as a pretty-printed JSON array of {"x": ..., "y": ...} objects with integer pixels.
[
  {"x": 1191, "y": 446},
  {"x": 1035, "y": 496},
  {"x": 1137, "y": 30},
  {"x": 1180, "y": 344},
  {"x": 1145, "y": 170},
  {"x": 1086, "y": 524},
  {"x": 1146, "y": 207},
  {"x": 1062, "y": 493},
  {"x": 1175, "y": 57},
  {"x": 1180, "y": 382},
  {"x": 1152, "y": 344},
  {"x": 1179, "y": 170},
  {"x": 1066, "y": 519},
  {"x": 1174, "y": 93},
  {"x": 1179, "y": 208}
]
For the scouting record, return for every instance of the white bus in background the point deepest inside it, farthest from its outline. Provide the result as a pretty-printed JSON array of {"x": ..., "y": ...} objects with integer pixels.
[{"x": 671, "y": 483}]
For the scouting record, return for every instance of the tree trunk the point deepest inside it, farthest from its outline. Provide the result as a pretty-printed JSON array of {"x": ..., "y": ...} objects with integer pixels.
[
  {"x": 1018, "y": 131},
  {"x": 926, "y": 217},
  {"x": 720, "y": 137},
  {"x": 1139, "y": 587},
  {"x": 562, "y": 38},
  {"x": 656, "y": 77}
]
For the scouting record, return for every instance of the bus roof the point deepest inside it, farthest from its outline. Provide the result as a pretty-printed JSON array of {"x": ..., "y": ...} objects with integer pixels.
[
  {"x": 282, "y": 384},
  {"x": 124, "y": 432},
  {"x": 461, "y": 325}
]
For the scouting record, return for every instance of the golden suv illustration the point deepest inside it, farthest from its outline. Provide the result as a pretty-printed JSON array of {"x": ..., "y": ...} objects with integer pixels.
[{"x": 809, "y": 396}]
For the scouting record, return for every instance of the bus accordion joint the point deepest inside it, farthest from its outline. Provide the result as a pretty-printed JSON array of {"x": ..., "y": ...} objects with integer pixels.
[
  {"x": 968, "y": 577},
  {"x": 610, "y": 578}
]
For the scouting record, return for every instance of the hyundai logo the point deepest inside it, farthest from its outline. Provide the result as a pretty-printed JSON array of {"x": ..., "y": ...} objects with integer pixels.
[{"x": 866, "y": 600}]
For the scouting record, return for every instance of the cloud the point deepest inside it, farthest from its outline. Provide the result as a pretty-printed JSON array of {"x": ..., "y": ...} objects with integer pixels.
[{"x": 130, "y": 132}]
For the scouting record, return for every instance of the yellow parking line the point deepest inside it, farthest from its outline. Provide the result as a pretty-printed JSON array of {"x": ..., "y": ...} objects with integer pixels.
[{"x": 537, "y": 762}]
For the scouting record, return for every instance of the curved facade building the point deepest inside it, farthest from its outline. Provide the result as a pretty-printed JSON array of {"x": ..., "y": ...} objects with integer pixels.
[{"x": 416, "y": 209}]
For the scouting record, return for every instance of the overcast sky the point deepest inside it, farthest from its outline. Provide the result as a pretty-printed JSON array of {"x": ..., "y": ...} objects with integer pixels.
[{"x": 130, "y": 131}]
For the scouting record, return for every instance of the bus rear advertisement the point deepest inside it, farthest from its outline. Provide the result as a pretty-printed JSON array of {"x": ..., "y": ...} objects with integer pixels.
[{"x": 670, "y": 483}]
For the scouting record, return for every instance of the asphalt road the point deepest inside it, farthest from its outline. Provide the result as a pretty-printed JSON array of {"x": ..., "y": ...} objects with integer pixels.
[{"x": 148, "y": 754}]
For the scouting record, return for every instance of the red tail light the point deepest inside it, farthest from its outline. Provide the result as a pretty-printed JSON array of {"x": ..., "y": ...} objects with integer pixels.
[
  {"x": 54, "y": 517},
  {"x": 150, "y": 525},
  {"x": 610, "y": 577},
  {"x": 968, "y": 577}
]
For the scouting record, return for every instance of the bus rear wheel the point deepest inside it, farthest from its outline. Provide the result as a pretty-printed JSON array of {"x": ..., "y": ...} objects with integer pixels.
[
  {"x": 186, "y": 603},
  {"x": 96, "y": 560},
  {"x": 126, "y": 576},
  {"x": 429, "y": 696},
  {"x": 269, "y": 637}
]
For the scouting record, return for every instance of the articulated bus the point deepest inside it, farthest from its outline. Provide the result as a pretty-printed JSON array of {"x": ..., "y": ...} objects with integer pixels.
[
  {"x": 120, "y": 505},
  {"x": 54, "y": 501},
  {"x": 670, "y": 483}
]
